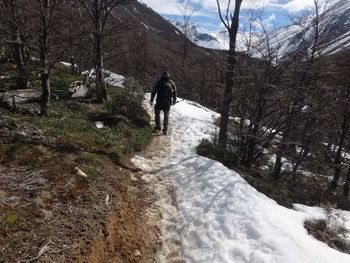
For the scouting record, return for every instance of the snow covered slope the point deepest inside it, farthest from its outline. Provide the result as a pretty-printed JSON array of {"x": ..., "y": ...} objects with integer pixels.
[
  {"x": 200, "y": 36},
  {"x": 334, "y": 31},
  {"x": 215, "y": 215},
  {"x": 213, "y": 40}
]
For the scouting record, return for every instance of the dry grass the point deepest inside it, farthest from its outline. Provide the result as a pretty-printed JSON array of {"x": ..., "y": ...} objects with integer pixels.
[{"x": 333, "y": 236}]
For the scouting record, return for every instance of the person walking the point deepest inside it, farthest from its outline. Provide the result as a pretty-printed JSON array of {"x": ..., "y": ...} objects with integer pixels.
[{"x": 165, "y": 90}]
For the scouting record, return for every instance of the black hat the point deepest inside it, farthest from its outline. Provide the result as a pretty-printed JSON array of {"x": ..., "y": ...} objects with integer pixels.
[{"x": 166, "y": 74}]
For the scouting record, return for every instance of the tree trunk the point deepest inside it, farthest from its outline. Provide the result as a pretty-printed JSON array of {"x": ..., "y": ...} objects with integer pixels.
[
  {"x": 281, "y": 151},
  {"x": 45, "y": 73},
  {"x": 251, "y": 146},
  {"x": 227, "y": 100},
  {"x": 337, "y": 170},
  {"x": 184, "y": 52},
  {"x": 17, "y": 45},
  {"x": 71, "y": 49},
  {"x": 72, "y": 65},
  {"x": 303, "y": 154},
  {"x": 347, "y": 184},
  {"x": 100, "y": 80},
  {"x": 17, "y": 51},
  {"x": 230, "y": 81},
  {"x": 291, "y": 115},
  {"x": 338, "y": 157},
  {"x": 278, "y": 164},
  {"x": 46, "y": 93}
]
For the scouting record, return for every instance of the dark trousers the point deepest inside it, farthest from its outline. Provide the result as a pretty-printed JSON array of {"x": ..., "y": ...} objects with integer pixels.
[{"x": 166, "y": 112}]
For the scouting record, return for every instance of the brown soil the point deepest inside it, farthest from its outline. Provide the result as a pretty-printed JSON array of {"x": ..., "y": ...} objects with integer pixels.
[{"x": 71, "y": 220}]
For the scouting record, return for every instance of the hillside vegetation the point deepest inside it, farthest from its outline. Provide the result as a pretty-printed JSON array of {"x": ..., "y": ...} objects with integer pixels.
[{"x": 63, "y": 181}]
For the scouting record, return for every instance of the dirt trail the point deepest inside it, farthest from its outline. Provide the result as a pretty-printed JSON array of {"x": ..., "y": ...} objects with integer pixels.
[
  {"x": 143, "y": 226},
  {"x": 164, "y": 209}
]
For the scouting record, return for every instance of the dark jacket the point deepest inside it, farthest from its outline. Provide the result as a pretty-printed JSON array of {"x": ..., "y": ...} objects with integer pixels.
[{"x": 165, "y": 90}]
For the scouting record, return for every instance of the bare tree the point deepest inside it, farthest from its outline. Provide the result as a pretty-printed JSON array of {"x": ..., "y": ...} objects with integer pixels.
[
  {"x": 231, "y": 22},
  {"x": 98, "y": 13},
  {"x": 187, "y": 12},
  {"x": 13, "y": 18},
  {"x": 47, "y": 11},
  {"x": 305, "y": 74},
  {"x": 339, "y": 116},
  {"x": 258, "y": 91}
]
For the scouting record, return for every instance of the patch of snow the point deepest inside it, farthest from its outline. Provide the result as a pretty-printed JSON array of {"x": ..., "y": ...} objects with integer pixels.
[
  {"x": 114, "y": 79},
  {"x": 34, "y": 58},
  {"x": 111, "y": 78},
  {"x": 305, "y": 108},
  {"x": 99, "y": 124},
  {"x": 66, "y": 64},
  {"x": 264, "y": 167},
  {"x": 219, "y": 217},
  {"x": 286, "y": 164},
  {"x": 147, "y": 27}
]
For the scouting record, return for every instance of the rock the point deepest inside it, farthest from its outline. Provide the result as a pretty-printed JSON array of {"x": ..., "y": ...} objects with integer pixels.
[
  {"x": 137, "y": 253},
  {"x": 14, "y": 97},
  {"x": 80, "y": 172},
  {"x": 79, "y": 90}
]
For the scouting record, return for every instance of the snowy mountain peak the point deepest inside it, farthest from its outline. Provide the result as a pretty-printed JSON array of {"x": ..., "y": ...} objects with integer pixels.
[
  {"x": 334, "y": 31},
  {"x": 199, "y": 36}
]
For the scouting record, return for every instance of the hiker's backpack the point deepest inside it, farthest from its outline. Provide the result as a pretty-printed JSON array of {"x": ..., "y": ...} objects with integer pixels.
[{"x": 165, "y": 93}]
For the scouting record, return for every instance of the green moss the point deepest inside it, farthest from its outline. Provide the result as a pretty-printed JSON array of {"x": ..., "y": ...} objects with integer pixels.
[
  {"x": 12, "y": 220},
  {"x": 63, "y": 81},
  {"x": 22, "y": 153},
  {"x": 142, "y": 138},
  {"x": 70, "y": 129}
]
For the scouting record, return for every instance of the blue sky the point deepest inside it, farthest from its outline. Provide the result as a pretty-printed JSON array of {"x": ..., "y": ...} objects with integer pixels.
[{"x": 275, "y": 12}]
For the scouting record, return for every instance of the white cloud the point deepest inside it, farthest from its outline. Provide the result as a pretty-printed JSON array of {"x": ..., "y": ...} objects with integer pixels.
[
  {"x": 290, "y": 6},
  {"x": 297, "y": 5},
  {"x": 246, "y": 4},
  {"x": 209, "y": 7},
  {"x": 170, "y": 7},
  {"x": 272, "y": 18}
]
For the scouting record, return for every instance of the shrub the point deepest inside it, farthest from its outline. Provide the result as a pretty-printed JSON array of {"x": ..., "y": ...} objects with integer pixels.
[
  {"x": 62, "y": 81},
  {"x": 214, "y": 151},
  {"x": 330, "y": 230},
  {"x": 127, "y": 101},
  {"x": 13, "y": 221}
]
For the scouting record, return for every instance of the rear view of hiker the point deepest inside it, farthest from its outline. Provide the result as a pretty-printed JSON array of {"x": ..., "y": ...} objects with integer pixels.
[{"x": 165, "y": 90}]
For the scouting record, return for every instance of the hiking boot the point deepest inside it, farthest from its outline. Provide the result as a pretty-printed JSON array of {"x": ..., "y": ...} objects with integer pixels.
[
  {"x": 156, "y": 129},
  {"x": 164, "y": 132}
]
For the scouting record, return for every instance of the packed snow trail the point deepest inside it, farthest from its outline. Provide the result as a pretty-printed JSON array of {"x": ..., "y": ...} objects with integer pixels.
[{"x": 218, "y": 216}]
